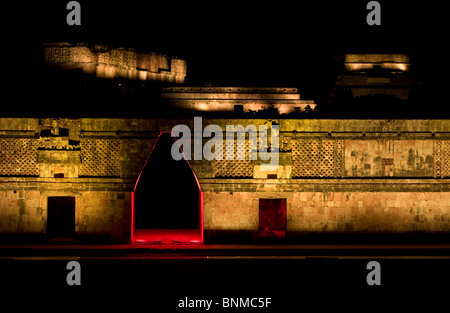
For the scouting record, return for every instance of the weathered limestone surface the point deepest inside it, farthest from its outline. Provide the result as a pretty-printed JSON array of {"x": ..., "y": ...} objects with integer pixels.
[
  {"x": 103, "y": 214},
  {"x": 102, "y": 210},
  {"x": 54, "y": 162},
  {"x": 355, "y": 211},
  {"x": 22, "y": 211},
  {"x": 230, "y": 211},
  {"x": 399, "y": 158},
  {"x": 362, "y": 176}
]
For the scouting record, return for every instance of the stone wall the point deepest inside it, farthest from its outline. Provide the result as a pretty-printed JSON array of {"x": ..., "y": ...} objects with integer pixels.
[
  {"x": 337, "y": 207},
  {"x": 102, "y": 210},
  {"x": 230, "y": 211},
  {"x": 19, "y": 156},
  {"x": 369, "y": 212},
  {"x": 398, "y": 158},
  {"x": 104, "y": 215},
  {"x": 337, "y": 176},
  {"x": 22, "y": 211}
]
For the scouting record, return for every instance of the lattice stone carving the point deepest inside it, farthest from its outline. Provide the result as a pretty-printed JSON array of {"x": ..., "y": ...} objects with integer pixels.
[
  {"x": 100, "y": 157},
  {"x": 18, "y": 157},
  {"x": 312, "y": 158},
  {"x": 438, "y": 158},
  {"x": 445, "y": 166},
  {"x": 338, "y": 159},
  {"x": 240, "y": 166}
]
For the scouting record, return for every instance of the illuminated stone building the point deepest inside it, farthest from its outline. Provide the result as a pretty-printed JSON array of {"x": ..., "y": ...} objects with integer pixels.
[
  {"x": 367, "y": 79},
  {"x": 334, "y": 176},
  {"x": 113, "y": 179},
  {"x": 234, "y": 99}
]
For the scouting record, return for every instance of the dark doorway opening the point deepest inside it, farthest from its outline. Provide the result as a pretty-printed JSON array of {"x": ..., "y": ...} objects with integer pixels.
[
  {"x": 272, "y": 218},
  {"x": 167, "y": 198},
  {"x": 61, "y": 218}
]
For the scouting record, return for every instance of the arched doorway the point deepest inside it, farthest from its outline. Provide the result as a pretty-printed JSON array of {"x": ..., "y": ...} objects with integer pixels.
[{"x": 167, "y": 199}]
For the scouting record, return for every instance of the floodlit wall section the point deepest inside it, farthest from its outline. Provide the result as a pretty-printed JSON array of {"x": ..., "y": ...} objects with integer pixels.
[{"x": 368, "y": 176}]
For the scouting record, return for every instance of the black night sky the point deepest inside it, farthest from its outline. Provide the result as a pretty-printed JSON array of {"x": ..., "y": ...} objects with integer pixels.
[{"x": 228, "y": 43}]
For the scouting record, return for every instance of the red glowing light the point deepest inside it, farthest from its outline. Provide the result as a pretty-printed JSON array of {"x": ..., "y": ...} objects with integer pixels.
[
  {"x": 167, "y": 236},
  {"x": 272, "y": 218}
]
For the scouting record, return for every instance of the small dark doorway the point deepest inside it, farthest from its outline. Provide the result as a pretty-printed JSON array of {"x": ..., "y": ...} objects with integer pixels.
[
  {"x": 272, "y": 218},
  {"x": 61, "y": 218}
]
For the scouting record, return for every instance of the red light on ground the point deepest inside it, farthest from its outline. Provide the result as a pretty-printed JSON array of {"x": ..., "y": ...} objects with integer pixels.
[{"x": 168, "y": 236}]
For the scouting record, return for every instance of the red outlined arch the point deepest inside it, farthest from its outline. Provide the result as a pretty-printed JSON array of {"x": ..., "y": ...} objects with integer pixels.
[{"x": 167, "y": 236}]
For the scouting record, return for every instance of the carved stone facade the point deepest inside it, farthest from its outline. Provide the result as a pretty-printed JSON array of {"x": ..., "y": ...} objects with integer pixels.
[
  {"x": 337, "y": 176},
  {"x": 100, "y": 157},
  {"x": 239, "y": 166},
  {"x": 313, "y": 158},
  {"x": 19, "y": 156}
]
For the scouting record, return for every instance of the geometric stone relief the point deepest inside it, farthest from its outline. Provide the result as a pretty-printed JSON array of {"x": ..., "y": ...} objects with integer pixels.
[
  {"x": 234, "y": 167},
  {"x": 100, "y": 157},
  {"x": 313, "y": 158},
  {"x": 445, "y": 158},
  {"x": 18, "y": 156},
  {"x": 438, "y": 160}
]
